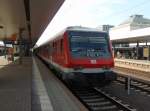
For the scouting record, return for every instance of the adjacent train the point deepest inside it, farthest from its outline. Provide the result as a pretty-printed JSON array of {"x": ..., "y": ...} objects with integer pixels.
[{"x": 80, "y": 51}]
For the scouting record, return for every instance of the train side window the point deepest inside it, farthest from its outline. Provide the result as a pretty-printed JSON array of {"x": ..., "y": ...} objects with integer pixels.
[
  {"x": 61, "y": 45},
  {"x": 50, "y": 48},
  {"x": 53, "y": 45},
  {"x": 56, "y": 46}
]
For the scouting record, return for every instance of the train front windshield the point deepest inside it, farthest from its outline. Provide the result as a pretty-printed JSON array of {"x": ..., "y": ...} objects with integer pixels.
[{"x": 89, "y": 44}]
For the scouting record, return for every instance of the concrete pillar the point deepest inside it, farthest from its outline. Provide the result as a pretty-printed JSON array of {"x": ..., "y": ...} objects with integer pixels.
[
  {"x": 20, "y": 45},
  {"x": 5, "y": 50},
  {"x": 149, "y": 52},
  {"x": 13, "y": 52},
  {"x": 127, "y": 84},
  {"x": 146, "y": 43},
  {"x": 137, "y": 50},
  {"x": 114, "y": 50}
]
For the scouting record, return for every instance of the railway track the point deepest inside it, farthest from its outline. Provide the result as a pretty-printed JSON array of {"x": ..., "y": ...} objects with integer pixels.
[
  {"x": 136, "y": 84},
  {"x": 97, "y": 100}
]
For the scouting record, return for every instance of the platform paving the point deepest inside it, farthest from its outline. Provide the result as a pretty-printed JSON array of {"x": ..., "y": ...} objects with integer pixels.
[
  {"x": 138, "y": 61},
  {"x": 15, "y": 86},
  {"x": 60, "y": 97},
  {"x": 32, "y": 87},
  {"x": 139, "y": 72},
  {"x": 40, "y": 99}
]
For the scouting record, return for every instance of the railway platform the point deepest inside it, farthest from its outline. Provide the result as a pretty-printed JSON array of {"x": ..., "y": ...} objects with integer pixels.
[
  {"x": 15, "y": 85},
  {"x": 139, "y": 69},
  {"x": 141, "y": 65},
  {"x": 32, "y": 87}
]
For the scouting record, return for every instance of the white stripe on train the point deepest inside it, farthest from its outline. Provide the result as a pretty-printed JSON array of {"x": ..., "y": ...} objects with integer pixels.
[{"x": 72, "y": 70}]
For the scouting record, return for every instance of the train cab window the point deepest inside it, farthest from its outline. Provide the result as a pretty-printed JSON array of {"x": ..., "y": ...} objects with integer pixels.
[{"x": 89, "y": 44}]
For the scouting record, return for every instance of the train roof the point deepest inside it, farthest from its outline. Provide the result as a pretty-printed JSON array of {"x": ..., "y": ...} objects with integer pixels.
[
  {"x": 80, "y": 28},
  {"x": 74, "y": 28}
]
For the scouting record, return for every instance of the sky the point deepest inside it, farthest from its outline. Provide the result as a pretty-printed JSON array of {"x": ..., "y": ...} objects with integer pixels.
[{"x": 93, "y": 13}]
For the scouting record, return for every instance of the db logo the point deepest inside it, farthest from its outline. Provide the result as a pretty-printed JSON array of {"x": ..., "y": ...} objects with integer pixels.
[{"x": 93, "y": 61}]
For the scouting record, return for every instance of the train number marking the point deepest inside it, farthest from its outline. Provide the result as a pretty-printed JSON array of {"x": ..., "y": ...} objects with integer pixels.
[{"x": 93, "y": 61}]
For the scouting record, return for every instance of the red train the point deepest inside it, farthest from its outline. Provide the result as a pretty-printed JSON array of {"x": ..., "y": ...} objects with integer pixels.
[{"x": 80, "y": 51}]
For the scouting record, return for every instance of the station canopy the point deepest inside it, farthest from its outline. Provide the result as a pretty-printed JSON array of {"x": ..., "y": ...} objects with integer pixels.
[
  {"x": 140, "y": 35},
  {"x": 31, "y": 16},
  {"x": 135, "y": 29}
]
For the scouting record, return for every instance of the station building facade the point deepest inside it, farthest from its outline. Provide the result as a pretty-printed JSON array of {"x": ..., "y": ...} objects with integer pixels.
[{"x": 135, "y": 30}]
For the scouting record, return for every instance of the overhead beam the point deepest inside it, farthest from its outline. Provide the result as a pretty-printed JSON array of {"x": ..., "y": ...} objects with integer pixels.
[{"x": 27, "y": 11}]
